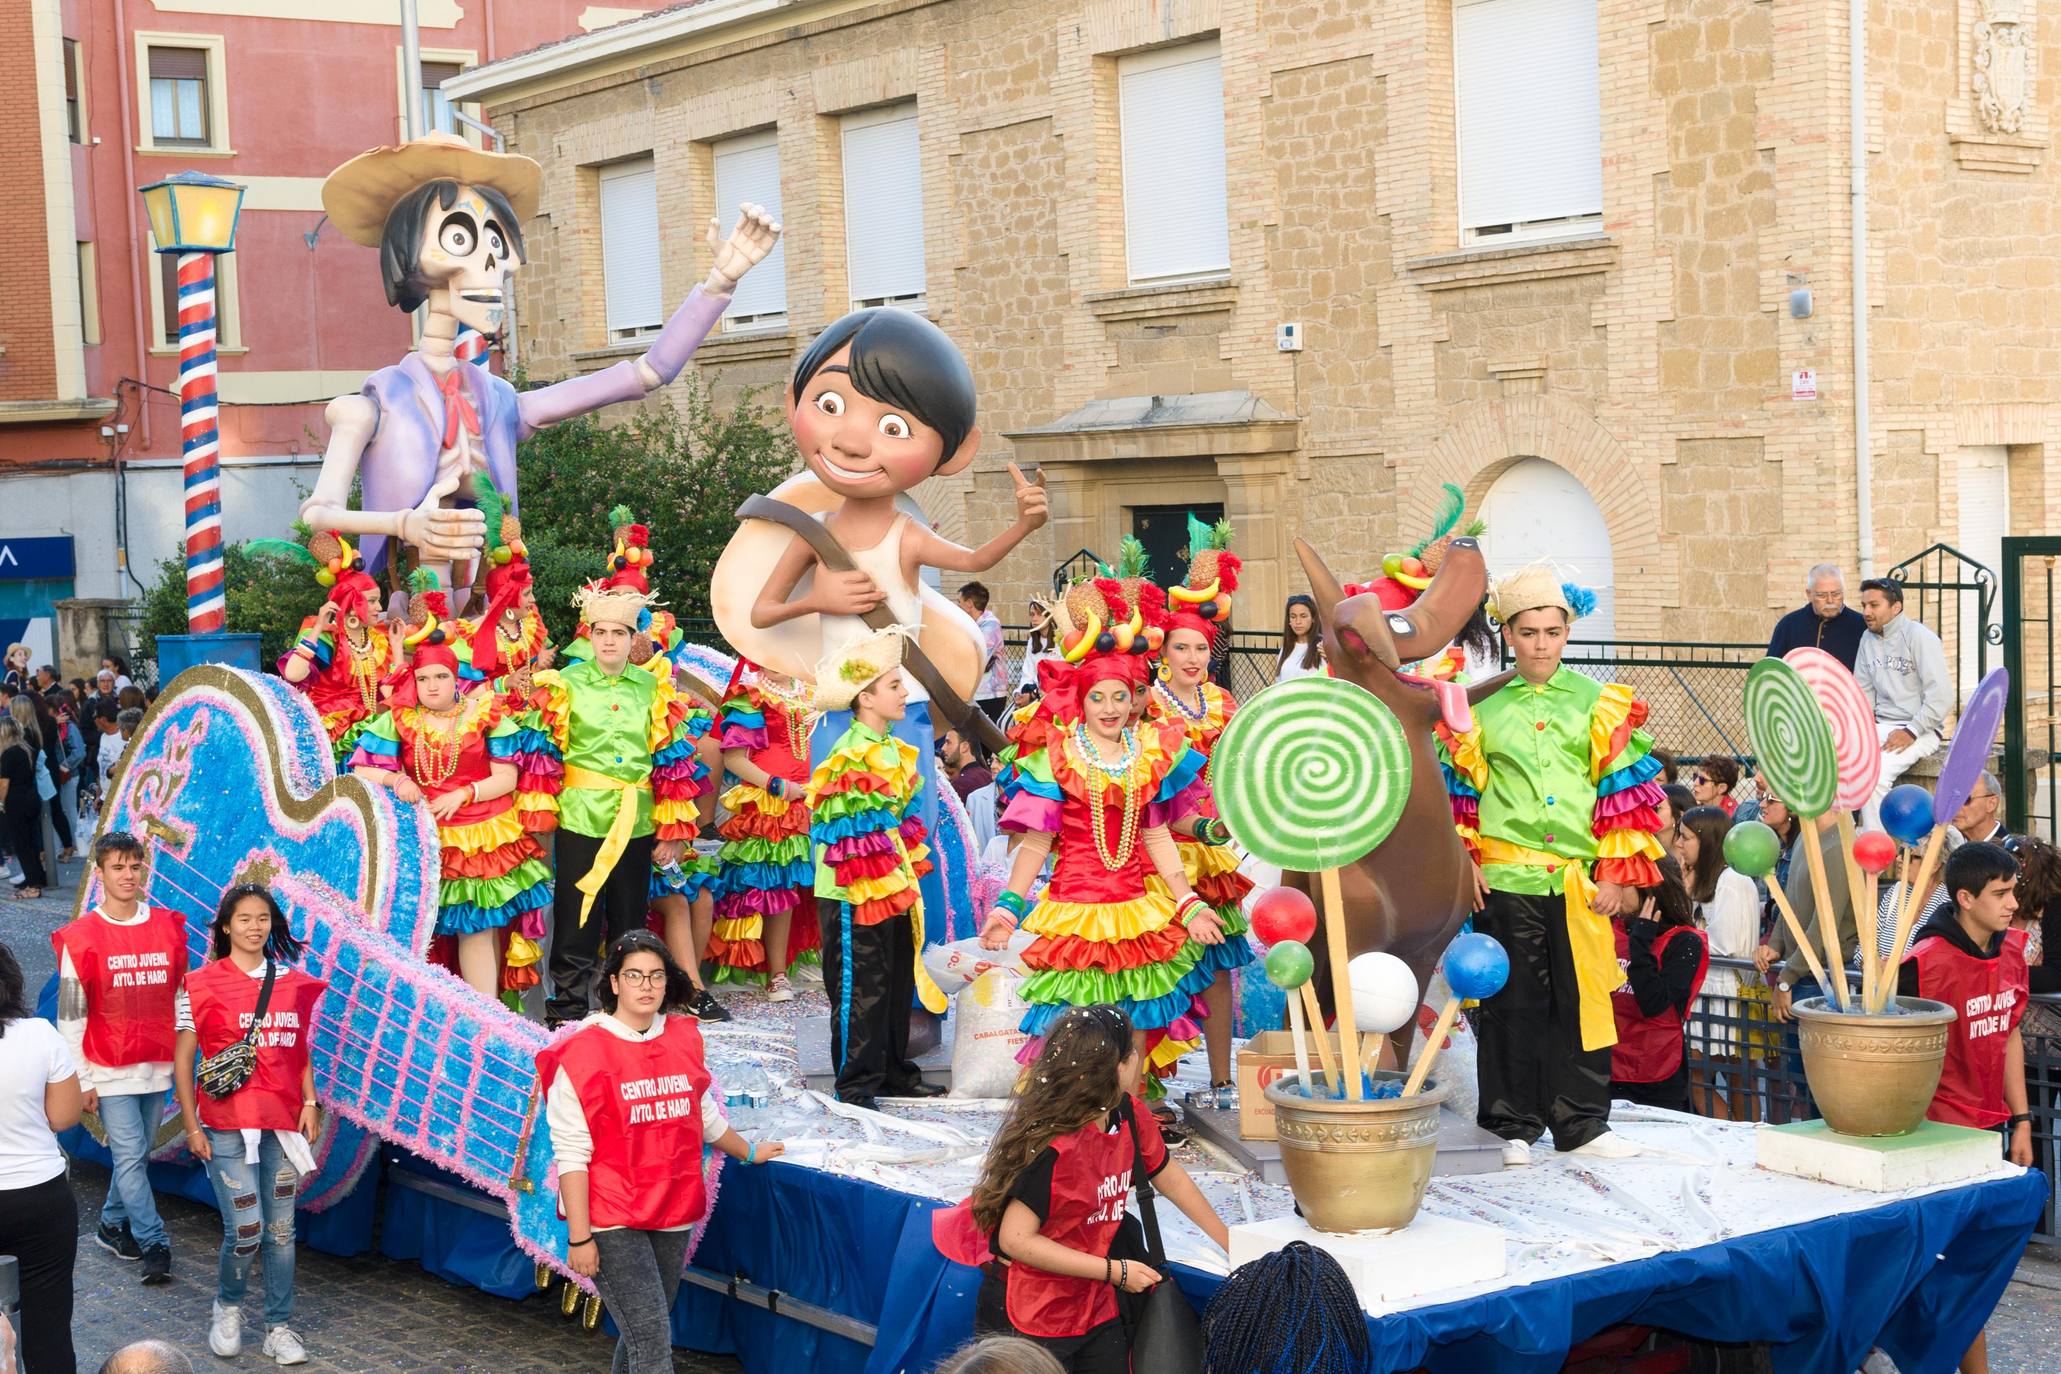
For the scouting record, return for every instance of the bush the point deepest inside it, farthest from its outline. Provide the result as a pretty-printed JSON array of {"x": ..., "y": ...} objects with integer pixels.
[
  {"x": 265, "y": 595},
  {"x": 682, "y": 469}
]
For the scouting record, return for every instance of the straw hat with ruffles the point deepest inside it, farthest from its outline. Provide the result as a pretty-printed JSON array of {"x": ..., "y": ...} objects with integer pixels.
[{"x": 359, "y": 195}]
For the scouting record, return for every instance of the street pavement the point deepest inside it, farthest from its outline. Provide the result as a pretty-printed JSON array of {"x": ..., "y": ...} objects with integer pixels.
[{"x": 374, "y": 1314}]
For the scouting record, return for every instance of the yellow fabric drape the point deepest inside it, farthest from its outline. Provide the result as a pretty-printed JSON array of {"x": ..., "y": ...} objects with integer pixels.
[
  {"x": 927, "y": 991},
  {"x": 1596, "y": 972},
  {"x": 618, "y": 837}
]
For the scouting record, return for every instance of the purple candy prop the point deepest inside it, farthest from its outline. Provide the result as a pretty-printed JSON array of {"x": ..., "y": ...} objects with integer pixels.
[{"x": 1968, "y": 755}]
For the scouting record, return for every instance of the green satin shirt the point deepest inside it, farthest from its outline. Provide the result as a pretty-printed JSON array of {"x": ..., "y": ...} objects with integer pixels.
[
  {"x": 608, "y": 731},
  {"x": 1536, "y": 743}
]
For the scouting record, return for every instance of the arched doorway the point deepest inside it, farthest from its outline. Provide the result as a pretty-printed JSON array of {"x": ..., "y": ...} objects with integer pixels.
[{"x": 1539, "y": 511}]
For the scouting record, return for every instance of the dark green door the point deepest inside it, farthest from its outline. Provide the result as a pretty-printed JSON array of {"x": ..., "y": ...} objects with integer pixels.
[{"x": 1163, "y": 530}]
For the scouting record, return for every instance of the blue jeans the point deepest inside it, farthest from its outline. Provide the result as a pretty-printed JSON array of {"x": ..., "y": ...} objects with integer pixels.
[
  {"x": 256, "y": 1204},
  {"x": 131, "y": 1121}
]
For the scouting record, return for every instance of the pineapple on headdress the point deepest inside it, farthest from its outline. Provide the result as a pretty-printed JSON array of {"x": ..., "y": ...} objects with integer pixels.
[
  {"x": 629, "y": 563},
  {"x": 1212, "y": 574},
  {"x": 337, "y": 563},
  {"x": 1137, "y": 608},
  {"x": 429, "y": 613},
  {"x": 1406, "y": 575}
]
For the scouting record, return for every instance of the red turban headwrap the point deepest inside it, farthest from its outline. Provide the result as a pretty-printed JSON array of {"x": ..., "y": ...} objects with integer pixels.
[{"x": 1066, "y": 685}]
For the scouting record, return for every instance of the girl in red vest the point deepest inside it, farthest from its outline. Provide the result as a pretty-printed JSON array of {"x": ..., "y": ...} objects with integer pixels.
[
  {"x": 255, "y": 1140},
  {"x": 1054, "y": 1192},
  {"x": 1664, "y": 958},
  {"x": 628, "y": 1101}
]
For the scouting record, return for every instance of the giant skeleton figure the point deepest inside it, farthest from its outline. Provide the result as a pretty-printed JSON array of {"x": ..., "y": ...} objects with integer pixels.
[{"x": 446, "y": 218}]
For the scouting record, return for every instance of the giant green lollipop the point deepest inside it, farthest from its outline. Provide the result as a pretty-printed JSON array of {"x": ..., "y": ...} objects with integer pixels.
[
  {"x": 1792, "y": 739},
  {"x": 1311, "y": 774}
]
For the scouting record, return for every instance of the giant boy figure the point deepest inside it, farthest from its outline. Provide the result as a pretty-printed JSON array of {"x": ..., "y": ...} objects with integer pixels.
[
  {"x": 447, "y": 220},
  {"x": 881, "y": 402}
]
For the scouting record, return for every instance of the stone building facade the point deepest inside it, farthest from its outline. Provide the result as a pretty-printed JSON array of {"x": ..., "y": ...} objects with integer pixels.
[{"x": 1623, "y": 389}]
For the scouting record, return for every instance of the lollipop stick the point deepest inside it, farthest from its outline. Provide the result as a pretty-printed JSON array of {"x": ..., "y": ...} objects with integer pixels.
[
  {"x": 1438, "y": 1037},
  {"x": 1341, "y": 983},
  {"x": 1921, "y": 885},
  {"x": 1874, "y": 998},
  {"x": 1863, "y": 918},
  {"x": 1796, "y": 933},
  {"x": 1828, "y": 926},
  {"x": 1309, "y": 1002},
  {"x": 1302, "y": 1044},
  {"x": 1370, "y": 1052}
]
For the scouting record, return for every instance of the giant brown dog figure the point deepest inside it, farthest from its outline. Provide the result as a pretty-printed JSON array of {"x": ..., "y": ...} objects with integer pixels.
[{"x": 1409, "y": 896}]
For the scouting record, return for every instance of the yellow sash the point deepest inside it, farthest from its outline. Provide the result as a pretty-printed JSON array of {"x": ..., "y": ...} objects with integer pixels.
[
  {"x": 927, "y": 991},
  {"x": 618, "y": 837},
  {"x": 1596, "y": 972}
]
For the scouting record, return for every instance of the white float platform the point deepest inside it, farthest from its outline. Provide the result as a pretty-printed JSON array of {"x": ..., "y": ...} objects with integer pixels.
[
  {"x": 1429, "y": 1255},
  {"x": 1463, "y": 1147},
  {"x": 1933, "y": 1154},
  {"x": 812, "y": 1048}
]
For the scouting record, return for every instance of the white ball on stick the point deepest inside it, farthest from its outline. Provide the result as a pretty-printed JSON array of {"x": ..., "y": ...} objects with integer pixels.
[{"x": 1384, "y": 992}]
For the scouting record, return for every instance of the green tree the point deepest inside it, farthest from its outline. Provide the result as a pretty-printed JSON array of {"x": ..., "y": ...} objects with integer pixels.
[
  {"x": 682, "y": 469},
  {"x": 265, "y": 595}
]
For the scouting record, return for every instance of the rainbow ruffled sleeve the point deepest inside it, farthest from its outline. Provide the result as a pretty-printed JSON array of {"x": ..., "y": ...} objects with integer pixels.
[
  {"x": 1035, "y": 801},
  {"x": 678, "y": 776},
  {"x": 540, "y": 753},
  {"x": 858, "y": 799},
  {"x": 1465, "y": 769},
  {"x": 1181, "y": 791},
  {"x": 743, "y": 722},
  {"x": 325, "y": 647},
  {"x": 378, "y": 745},
  {"x": 1628, "y": 791}
]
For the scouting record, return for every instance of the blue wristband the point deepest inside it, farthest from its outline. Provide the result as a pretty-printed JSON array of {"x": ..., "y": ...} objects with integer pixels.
[
  {"x": 776, "y": 787},
  {"x": 1014, "y": 904},
  {"x": 751, "y": 1156}
]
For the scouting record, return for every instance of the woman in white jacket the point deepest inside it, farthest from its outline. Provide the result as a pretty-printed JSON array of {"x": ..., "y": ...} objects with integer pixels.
[{"x": 1728, "y": 910}]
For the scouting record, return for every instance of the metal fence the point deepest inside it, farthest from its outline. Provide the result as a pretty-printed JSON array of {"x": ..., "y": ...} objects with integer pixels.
[{"x": 1744, "y": 1066}]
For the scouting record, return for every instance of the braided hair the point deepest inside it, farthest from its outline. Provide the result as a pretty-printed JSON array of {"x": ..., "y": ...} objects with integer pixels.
[
  {"x": 1290, "y": 1312},
  {"x": 1077, "y": 1078}
]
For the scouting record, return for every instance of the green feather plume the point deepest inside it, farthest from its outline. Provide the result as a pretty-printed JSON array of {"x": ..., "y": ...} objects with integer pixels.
[
  {"x": 1449, "y": 512},
  {"x": 281, "y": 548},
  {"x": 491, "y": 506},
  {"x": 1198, "y": 536}
]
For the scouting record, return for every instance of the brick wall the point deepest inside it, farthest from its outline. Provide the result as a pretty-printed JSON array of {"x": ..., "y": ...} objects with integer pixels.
[{"x": 28, "y": 367}]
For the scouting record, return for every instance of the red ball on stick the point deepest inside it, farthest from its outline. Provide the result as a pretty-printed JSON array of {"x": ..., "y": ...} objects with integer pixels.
[
  {"x": 1874, "y": 851},
  {"x": 1283, "y": 913}
]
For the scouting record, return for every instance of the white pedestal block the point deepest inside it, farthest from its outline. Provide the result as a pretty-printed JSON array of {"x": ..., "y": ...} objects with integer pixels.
[
  {"x": 1429, "y": 1255},
  {"x": 1933, "y": 1154}
]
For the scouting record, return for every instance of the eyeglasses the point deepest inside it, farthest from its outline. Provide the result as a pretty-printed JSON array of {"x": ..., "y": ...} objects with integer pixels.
[{"x": 642, "y": 977}]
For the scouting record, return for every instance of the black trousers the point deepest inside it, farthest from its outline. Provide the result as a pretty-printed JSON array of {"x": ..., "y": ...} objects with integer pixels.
[
  {"x": 39, "y": 1226},
  {"x": 869, "y": 1004},
  {"x": 1104, "y": 1349},
  {"x": 618, "y": 909},
  {"x": 25, "y": 838},
  {"x": 1671, "y": 1092},
  {"x": 1535, "y": 1075}
]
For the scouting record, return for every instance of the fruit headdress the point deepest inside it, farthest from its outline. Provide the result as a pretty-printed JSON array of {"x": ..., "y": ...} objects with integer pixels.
[
  {"x": 1406, "y": 575},
  {"x": 1203, "y": 602},
  {"x": 337, "y": 564}
]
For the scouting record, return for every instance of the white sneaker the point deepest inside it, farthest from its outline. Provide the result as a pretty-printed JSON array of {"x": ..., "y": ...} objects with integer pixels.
[
  {"x": 225, "y": 1333},
  {"x": 284, "y": 1347},
  {"x": 1516, "y": 1154},
  {"x": 1609, "y": 1145},
  {"x": 780, "y": 990}
]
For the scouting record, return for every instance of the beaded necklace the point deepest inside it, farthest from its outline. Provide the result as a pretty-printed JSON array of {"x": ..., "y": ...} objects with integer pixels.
[
  {"x": 363, "y": 669},
  {"x": 795, "y": 710},
  {"x": 1201, "y": 710},
  {"x": 1125, "y": 774},
  {"x": 435, "y": 758},
  {"x": 523, "y": 648}
]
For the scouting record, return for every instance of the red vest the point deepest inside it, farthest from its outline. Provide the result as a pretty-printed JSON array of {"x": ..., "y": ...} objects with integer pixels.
[
  {"x": 1988, "y": 998},
  {"x": 643, "y": 1104},
  {"x": 223, "y": 999},
  {"x": 1091, "y": 1186},
  {"x": 1649, "y": 1048},
  {"x": 131, "y": 975}
]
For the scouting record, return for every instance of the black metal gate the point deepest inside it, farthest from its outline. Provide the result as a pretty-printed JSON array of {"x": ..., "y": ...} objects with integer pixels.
[
  {"x": 2030, "y": 779},
  {"x": 1956, "y": 597}
]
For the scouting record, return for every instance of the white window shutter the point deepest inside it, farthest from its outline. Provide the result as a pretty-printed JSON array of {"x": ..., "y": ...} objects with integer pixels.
[
  {"x": 1527, "y": 96},
  {"x": 1172, "y": 116},
  {"x": 748, "y": 172},
  {"x": 629, "y": 247},
  {"x": 883, "y": 205}
]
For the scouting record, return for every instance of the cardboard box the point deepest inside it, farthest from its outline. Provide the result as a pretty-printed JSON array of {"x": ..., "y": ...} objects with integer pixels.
[{"x": 1262, "y": 1059}]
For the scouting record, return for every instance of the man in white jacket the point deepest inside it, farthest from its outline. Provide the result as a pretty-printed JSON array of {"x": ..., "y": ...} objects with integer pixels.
[{"x": 1903, "y": 669}]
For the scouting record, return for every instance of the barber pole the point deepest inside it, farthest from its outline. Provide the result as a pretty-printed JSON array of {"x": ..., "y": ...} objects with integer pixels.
[{"x": 201, "y": 443}]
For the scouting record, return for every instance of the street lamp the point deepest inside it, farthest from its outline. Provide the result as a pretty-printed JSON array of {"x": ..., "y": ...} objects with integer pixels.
[{"x": 194, "y": 215}]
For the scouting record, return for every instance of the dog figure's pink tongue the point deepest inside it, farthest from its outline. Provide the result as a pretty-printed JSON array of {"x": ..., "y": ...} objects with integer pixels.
[{"x": 1452, "y": 701}]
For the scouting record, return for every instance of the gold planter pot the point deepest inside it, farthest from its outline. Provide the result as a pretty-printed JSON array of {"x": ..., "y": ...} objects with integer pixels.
[
  {"x": 1873, "y": 1075},
  {"x": 1357, "y": 1166}
]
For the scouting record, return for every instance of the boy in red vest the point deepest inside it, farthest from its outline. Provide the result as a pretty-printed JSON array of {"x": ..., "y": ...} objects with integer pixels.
[
  {"x": 1968, "y": 956},
  {"x": 119, "y": 968}
]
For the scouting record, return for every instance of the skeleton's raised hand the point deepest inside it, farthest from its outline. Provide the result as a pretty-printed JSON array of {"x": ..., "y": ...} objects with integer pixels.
[
  {"x": 444, "y": 536},
  {"x": 756, "y": 233}
]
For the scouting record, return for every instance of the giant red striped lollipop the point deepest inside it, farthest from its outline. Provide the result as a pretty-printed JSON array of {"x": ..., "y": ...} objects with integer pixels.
[{"x": 1855, "y": 743}]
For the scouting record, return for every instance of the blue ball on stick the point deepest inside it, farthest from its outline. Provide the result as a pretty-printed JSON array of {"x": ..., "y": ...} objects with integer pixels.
[
  {"x": 1477, "y": 966},
  {"x": 1907, "y": 814}
]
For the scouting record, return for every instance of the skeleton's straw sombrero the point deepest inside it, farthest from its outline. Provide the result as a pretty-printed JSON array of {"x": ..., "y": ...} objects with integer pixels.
[{"x": 359, "y": 195}]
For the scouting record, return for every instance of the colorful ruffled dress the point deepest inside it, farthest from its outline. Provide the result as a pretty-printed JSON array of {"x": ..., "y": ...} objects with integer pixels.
[
  {"x": 767, "y": 866},
  {"x": 514, "y": 654},
  {"x": 343, "y": 682},
  {"x": 1105, "y": 934},
  {"x": 1212, "y": 869},
  {"x": 1553, "y": 791},
  {"x": 494, "y": 875}
]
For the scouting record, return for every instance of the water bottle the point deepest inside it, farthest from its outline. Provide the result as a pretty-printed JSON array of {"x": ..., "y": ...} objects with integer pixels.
[{"x": 675, "y": 874}]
